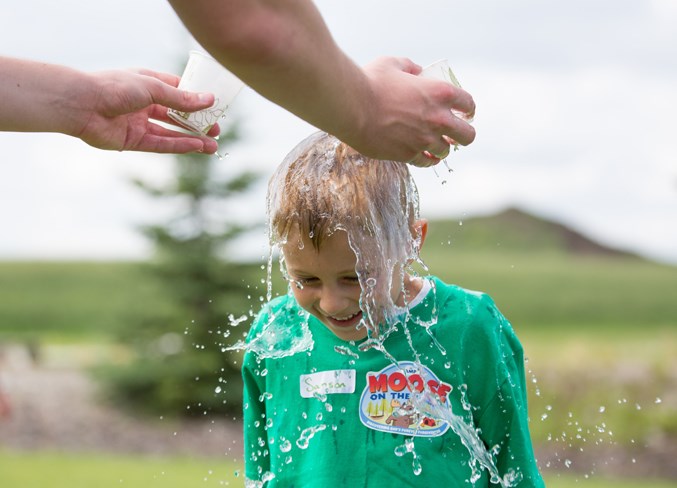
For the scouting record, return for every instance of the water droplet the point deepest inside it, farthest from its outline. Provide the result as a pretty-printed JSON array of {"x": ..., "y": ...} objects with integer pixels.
[
  {"x": 265, "y": 396},
  {"x": 307, "y": 434},
  {"x": 285, "y": 446}
]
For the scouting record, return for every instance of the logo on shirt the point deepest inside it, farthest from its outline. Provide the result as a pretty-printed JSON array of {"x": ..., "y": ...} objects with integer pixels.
[{"x": 386, "y": 403}]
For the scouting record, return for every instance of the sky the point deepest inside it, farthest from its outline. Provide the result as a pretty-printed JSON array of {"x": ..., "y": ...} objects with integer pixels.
[{"x": 575, "y": 118}]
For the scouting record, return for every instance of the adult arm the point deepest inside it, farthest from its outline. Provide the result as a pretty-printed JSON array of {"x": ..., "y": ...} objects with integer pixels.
[
  {"x": 108, "y": 110},
  {"x": 284, "y": 51}
]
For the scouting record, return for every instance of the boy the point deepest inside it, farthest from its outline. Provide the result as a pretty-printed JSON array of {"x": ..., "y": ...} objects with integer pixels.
[{"x": 365, "y": 374}]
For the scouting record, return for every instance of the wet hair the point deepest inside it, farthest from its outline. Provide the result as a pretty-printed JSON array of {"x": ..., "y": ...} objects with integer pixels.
[{"x": 324, "y": 186}]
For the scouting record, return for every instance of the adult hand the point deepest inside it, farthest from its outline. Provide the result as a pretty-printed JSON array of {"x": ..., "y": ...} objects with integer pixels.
[
  {"x": 384, "y": 111},
  {"x": 411, "y": 119},
  {"x": 118, "y": 109}
]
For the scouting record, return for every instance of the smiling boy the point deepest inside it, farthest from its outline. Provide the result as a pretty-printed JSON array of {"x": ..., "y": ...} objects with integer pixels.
[{"x": 346, "y": 409}]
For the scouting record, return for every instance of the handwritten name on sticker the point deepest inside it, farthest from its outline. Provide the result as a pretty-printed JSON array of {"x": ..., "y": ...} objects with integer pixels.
[{"x": 328, "y": 382}]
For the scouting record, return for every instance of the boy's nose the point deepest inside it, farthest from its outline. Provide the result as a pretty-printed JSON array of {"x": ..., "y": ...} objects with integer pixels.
[{"x": 332, "y": 303}]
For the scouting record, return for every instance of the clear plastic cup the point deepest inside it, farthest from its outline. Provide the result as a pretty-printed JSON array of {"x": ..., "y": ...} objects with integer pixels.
[
  {"x": 206, "y": 75},
  {"x": 440, "y": 70}
]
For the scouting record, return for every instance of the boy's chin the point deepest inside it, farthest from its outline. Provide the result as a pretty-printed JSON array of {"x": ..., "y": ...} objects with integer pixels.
[{"x": 354, "y": 335}]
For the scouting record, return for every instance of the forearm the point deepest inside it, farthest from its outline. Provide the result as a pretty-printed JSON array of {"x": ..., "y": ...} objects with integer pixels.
[
  {"x": 284, "y": 51},
  {"x": 40, "y": 97}
]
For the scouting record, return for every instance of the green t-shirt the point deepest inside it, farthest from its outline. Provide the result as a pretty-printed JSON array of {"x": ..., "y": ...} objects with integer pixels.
[{"x": 330, "y": 414}]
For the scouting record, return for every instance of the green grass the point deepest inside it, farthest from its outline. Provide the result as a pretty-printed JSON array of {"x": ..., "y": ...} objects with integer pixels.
[
  {"x": 76, "y": 301},
  {"x": 565, "y": 293},
  {"x": 598, "y": 332},
  {"x": 571, "y": 481},
  {"x": 538, "y": 291},
  {"x": 58, "y": 470},
  {"x": 541, "y": 275},
  {"x": 57, "y": 300}
]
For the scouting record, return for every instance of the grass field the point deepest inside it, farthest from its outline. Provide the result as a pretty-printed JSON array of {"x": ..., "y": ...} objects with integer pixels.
[
  {"x": 538, "y": 292},
  {"x": 574, "y": 315},
  {"x": 72, "y": 301},
  {"x": 600, "y": 334},
  {"x": 56, "y": 470},
  {"x": 542, "y": 290}
]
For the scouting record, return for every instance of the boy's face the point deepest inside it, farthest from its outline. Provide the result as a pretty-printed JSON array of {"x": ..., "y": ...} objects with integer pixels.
[
  {"x": 325, "y": 282},
  {"x": 326, "y": 285}
]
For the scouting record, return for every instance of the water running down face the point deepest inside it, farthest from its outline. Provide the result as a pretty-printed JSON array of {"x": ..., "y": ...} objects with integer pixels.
[
  {"x": 325, "y": 283},
  {"x": 325, "y": 195}
]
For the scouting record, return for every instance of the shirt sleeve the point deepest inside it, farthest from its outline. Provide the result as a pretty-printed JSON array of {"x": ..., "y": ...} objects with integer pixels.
[
  {"x": 503, "y": 420},
  {"x": 256, "y": 454},
  {"x": 504, "y": 426}
]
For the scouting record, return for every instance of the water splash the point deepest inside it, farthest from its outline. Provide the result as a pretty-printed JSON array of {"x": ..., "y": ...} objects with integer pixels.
[
  {"x": 346, "y": 351},
  {"x": 265, "y": 478},
  {"x": 313, "y": 194},
  {"x": 307, "y": 434},
  {"x": 323, "y": 187},
  {"x": 408, "y": 448},
  {"x": 429, "y": 404},
  {"x": 276, "y": 338}
]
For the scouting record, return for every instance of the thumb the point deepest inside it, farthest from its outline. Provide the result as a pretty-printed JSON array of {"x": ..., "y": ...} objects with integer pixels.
[{"x": 182, "y": 100}]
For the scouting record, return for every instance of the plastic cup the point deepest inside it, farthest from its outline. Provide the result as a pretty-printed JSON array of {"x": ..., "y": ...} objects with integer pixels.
[
  {"x": 204, "y": 74},
  {"x": 440, "y": 70}
]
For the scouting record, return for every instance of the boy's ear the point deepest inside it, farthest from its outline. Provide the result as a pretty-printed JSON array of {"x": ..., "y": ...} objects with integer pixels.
[{"x": 421, "y": 230}]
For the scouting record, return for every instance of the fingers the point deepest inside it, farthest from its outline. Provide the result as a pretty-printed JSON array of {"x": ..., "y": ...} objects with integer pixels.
[
  {"x": 460, "y": 102},
  {"x": 408, "y": 66},
  {"x": 168, "y": 78},
  {"x": 405, "y": 65},
  {"x": 214, "y": 131},
  {"x": 424, "y": 160},
  {"x": 159, "y": 113},
  {"x": 435, "y": 153},
  {"x": 163, "y": 91},
  {"x": 163, "y": 140},
  {"x": 459, "y": 131},
  {"x": 451, "y": 121}
]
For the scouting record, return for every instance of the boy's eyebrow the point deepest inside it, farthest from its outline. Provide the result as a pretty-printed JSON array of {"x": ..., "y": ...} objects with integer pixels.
[
  {"x": 297, "y": 271},
  {"x": 292, "y": 270}
]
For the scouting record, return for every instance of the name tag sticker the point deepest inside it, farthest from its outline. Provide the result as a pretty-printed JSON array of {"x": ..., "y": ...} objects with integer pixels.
[{"x": 328, "y": 382}]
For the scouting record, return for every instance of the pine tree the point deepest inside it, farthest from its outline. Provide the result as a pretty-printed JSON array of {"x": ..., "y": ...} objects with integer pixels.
[{"x": 179, "y": 364}]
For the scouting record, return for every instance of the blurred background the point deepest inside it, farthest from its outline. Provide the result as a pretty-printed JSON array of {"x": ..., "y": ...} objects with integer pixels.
[{"x": 123, "y": 276}]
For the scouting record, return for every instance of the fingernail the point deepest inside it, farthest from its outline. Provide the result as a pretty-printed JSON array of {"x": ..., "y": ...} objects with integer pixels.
[{"x": 204, "y": 97}]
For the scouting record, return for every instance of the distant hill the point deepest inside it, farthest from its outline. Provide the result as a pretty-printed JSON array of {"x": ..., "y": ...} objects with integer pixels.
[{"x": 516, "y": 230}]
